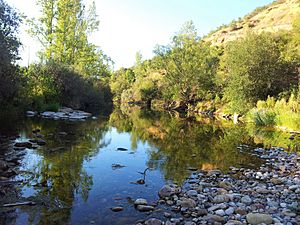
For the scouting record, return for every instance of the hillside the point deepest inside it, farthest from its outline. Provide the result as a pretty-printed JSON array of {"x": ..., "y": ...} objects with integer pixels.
[{"x": 279, "y": 15}]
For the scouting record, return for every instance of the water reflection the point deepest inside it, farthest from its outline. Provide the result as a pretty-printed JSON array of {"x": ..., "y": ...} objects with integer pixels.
[
  {"x": 184, "y": 144},
  {"x": 74, "y": 177},
  {"x": 60, "y": 174}
]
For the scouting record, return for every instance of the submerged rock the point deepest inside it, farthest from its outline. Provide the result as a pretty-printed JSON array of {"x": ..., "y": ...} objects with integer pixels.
[{"x": 117, "y": 209}]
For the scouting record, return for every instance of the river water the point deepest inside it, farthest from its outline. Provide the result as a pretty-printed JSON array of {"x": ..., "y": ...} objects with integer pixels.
[{"x": 86, "y": 168}]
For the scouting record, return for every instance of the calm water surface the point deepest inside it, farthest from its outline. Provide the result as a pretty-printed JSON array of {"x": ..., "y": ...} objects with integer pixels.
[{"x": 80, "y": 173}]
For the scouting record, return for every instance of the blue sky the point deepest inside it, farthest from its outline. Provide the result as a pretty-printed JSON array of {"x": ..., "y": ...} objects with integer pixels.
[{"x": 128, "y": 26}]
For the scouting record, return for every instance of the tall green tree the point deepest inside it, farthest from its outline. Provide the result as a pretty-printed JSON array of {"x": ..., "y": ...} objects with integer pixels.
[
  {"x": 63, "y": 30},
  {"x": 190, "y": 66},
  {"x": 253, "y": 69},
  {"x": 9, "y": 44}
]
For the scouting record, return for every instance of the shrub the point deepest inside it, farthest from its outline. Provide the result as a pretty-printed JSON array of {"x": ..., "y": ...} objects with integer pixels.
[
  {"x": 52, "y": 85},
  {"x": 263, "y": 117}
]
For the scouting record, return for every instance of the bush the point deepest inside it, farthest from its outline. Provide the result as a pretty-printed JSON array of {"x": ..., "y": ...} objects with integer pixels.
[
  {"x": 263, "y": 117},
  {"x": 254, "y": 69},
  {"x": 52, "y": 85}
]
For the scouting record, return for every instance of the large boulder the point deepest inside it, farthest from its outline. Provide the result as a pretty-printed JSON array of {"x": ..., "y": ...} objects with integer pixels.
[{"x": 259, "y": 218}]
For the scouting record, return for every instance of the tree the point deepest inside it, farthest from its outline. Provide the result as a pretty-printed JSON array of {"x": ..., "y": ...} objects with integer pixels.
[
  {"x": 9, "y": 44},
  {"x": 63, "y": 30},
  {"x": 253, "y": 70},
  {"x": 190, "y": 66}
]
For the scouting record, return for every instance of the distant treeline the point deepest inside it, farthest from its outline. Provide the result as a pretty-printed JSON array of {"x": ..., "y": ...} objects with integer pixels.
[{"x": 191, "y": 74}]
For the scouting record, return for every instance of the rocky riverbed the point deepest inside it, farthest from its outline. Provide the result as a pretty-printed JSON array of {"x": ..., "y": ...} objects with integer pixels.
[{"x": 267, "y": 195}]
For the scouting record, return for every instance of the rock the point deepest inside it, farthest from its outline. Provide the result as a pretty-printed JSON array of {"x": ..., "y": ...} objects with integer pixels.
[
  {"x": 215, "y": 218},
  {"x": 23, "y": 144},
  {"x": 192, "y": 193},
  {"x": 221, "y": 198},
  {"x": 293, "y": 187},
  {"x": 31, "y": 113},
  {"x": 202, "y": 212},
  {"x": 220, "y": 212},
  {"x": 187, "y": 203},
  {"x": 226, "y": 185},
  {"x": 229, "y": 211},
  {"x": 234, "y": 222},
  {"x": 122, "y": 149},
  {"x": 240, "y": 211},
  {"x": 145, "y": 208},
  {"x": 213, "y": 172},
  {"x": 168, "y": 190},
  {"x": 276, "y": 181},
  {"x": 262, "y": 191},
  {"x": 3, "y": 165},
  {"x": 258, "y": 218},
  {"x": 140, "y": 201},
  {"x": 153, "y": 221},
  {"x": 295, "y": 206},
  {"x": 167, "y": 215},
  {"x": 47, "y": 114},
  {"x": 117, "y": 209},
  {"x": 246, "y": 200},
  {"x": 40, "y": 142},
  {"x": 189, "y": 223}
]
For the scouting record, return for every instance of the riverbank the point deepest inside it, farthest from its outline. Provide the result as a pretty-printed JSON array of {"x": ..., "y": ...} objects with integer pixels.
[{"x": 269, "y": 195}]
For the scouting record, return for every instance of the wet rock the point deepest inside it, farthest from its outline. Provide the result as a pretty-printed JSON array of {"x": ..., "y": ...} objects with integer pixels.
[
  {"x": 257, "y": 218},
  {"x": 23, "y": 144},
  {"x": 140, "y": 201},
  {"x": 145, "y": 208},
  {"x": 168, "y": 190},
  {"x": 221, "y": 198},
  {"x": 122, "y": 149},
  {"x": 153, "y": 221},
  {"x": 40, "y": 142},
  {"x": 117, "y": 209},
  {"x": 31, "y": 113}
]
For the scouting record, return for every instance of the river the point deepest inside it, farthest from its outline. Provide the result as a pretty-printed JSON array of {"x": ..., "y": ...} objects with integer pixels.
[{"x": 87, "y": 168}]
